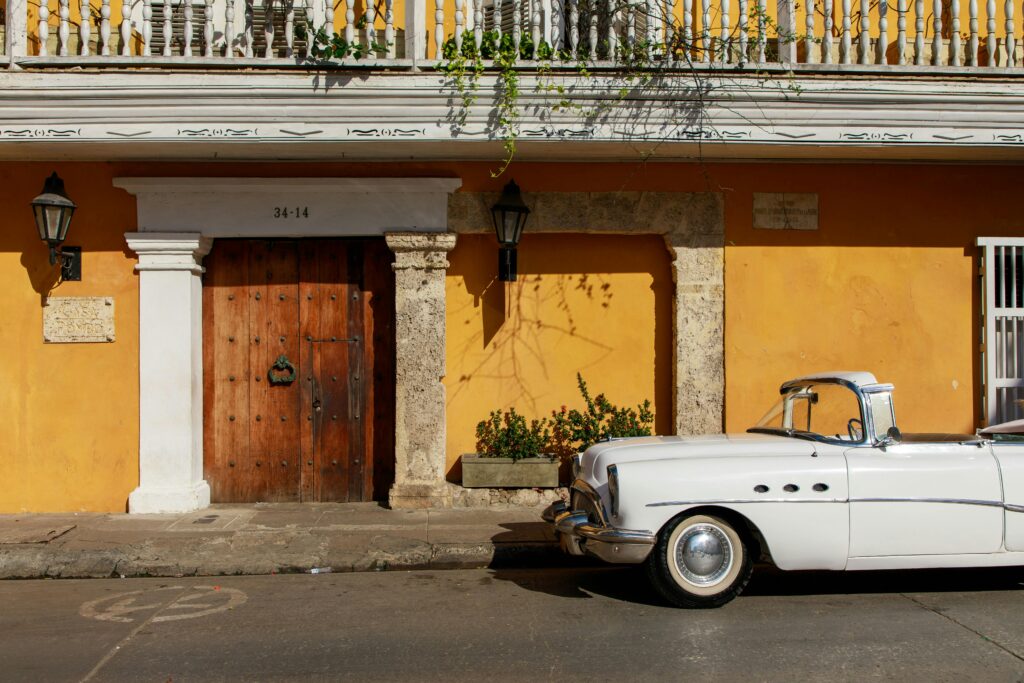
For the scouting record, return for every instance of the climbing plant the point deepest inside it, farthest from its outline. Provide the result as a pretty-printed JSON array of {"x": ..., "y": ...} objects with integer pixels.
[{"x": 641, "y": 67}]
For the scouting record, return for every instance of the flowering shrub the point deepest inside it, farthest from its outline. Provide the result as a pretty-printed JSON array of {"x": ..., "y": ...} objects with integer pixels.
[
  {"x": 573, "y": 431},
  {"x": 507, "y": 435}
]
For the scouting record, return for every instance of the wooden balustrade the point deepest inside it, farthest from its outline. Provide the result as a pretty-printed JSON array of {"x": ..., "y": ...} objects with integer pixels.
[{"x": 852, "y": 33}]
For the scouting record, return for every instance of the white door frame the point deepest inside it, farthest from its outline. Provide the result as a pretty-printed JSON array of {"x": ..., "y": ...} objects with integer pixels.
[{"x": 178, "y": 218}]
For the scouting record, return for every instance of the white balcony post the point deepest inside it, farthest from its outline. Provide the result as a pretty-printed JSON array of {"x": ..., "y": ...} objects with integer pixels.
[
  {"x": 43, "y": 29},
  {"x": 787, "y": 32},
  {"x": 16, "y": 39},
  {"x": 170, "y": 372},
  {"x": 416, "y": 31}
]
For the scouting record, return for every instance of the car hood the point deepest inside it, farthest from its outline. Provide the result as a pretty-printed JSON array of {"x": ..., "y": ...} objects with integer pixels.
[{"x": 594, "y": 463}]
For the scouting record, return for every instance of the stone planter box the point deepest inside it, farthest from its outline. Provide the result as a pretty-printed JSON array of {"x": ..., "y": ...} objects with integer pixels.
[{"x": 481, "y": 472}]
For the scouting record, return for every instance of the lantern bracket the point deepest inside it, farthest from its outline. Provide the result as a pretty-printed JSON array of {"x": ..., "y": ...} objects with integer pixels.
[{"x": 70, "y": 262}]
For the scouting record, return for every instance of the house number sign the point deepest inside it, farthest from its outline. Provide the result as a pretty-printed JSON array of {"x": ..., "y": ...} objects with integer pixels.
[
  {"x": 76, "y": 319},
  {"x": 291, "y": 212}
]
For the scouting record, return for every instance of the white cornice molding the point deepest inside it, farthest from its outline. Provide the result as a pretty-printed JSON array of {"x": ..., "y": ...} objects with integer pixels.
[{"x": 288, "y": 115}]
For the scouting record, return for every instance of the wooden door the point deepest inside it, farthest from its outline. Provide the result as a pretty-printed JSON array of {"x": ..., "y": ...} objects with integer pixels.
[{"x": 298, "y": 370}]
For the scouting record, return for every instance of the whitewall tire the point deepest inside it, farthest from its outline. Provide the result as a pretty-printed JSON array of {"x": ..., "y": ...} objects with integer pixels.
[{"x": 699, "y": 561}]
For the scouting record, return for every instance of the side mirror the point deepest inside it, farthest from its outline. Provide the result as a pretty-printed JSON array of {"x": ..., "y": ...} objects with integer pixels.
[{"x": 892, "y": 436}]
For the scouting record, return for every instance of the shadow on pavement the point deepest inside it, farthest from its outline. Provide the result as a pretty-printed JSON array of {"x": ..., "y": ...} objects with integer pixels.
[
  {"x": 768, "y": 580},
  {"x": 630, "y": 584}
]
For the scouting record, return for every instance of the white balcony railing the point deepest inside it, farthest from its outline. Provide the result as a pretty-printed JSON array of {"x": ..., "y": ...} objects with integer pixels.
[{"x": 851, "y": 34}]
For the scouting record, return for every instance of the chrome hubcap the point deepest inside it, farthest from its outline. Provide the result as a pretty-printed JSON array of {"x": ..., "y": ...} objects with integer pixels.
[{"x": 704, "y": 555}]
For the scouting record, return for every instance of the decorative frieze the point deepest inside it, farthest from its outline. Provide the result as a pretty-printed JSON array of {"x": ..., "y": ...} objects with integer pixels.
[{"x": 395, "y": 115}]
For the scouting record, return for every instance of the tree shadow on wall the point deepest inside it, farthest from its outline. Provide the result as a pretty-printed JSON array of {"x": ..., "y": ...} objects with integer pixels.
[{"x": 564, "y": 294}]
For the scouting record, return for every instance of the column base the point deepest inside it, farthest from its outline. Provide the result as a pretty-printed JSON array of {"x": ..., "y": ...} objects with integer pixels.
[
  {"x": 420, "y": 496},
  {"x": 146, "y": 500}
]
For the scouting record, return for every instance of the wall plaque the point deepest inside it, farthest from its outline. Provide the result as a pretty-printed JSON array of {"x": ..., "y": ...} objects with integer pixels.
[
  {"x": 785, "y": 211},
  {"x": 71, "y": 319}
]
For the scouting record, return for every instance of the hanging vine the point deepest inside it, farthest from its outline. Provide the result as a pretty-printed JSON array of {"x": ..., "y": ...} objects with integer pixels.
[{"x": 638, "y": 65}]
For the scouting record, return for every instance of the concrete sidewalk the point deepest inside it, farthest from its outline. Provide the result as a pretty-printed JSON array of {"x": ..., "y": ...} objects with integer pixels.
[{"x": 271, "y": 538}]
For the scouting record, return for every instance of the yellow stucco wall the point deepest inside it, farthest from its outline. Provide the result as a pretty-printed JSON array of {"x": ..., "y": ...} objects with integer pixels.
[
  {"x": 887, "y": 284},
  {"x": 68, "y": 412},
  {"x": 598, "y": 305}
]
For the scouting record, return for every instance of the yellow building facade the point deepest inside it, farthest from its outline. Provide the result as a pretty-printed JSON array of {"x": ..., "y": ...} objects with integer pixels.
[
  {"x": 285, "y": 218},
  {"x": 886, "y": 281}
]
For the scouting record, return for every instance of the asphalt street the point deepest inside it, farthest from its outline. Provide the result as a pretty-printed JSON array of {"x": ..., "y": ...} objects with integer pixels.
[{"x": 588, "y": 623}]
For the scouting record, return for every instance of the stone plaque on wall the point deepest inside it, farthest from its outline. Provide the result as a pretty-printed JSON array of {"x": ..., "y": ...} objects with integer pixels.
[
  {"x": 70, "y": 319},
  {"x": 785, "y": 211}
]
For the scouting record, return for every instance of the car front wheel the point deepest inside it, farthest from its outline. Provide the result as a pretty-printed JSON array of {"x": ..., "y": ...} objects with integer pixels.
[{"x": 699, "y": 561}]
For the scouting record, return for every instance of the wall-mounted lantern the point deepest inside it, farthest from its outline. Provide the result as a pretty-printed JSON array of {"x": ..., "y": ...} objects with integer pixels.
[
  {"x": 509, "y": 215},
  {"x": 53, "y": 211}
]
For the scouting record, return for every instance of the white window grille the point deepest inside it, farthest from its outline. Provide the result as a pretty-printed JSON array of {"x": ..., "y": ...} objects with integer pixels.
[{"x": 1003, "y": 334}]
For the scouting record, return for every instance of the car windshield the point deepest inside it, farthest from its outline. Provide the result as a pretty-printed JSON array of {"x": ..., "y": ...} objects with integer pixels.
[{"x": 827, "y": 411}]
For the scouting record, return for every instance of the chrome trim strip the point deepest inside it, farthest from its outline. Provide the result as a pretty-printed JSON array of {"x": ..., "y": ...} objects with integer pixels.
[
  {"x": 948, "y": 501},
  {"x": 1009, "y": 507},
  {"x": 614, "y": 535},
  {"x": 738, "y": 501}
]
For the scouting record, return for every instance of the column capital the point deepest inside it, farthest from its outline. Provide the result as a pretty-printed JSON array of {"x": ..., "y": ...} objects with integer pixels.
[
  {"x": 420, "y": 250},
  {"x": 169, "y": 250}
]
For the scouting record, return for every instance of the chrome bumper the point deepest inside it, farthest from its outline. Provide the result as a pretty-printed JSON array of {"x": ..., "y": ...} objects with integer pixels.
[{"x": 578, "y": 536}]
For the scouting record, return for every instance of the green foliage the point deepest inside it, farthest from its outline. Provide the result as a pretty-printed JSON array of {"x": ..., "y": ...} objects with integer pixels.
[
  {"x": 507, "y": 435},
  {"x": 573, "y": 431},
  {"x": 326, "y": 45},
  {"x": 639, "y": 64},
  {"x": 463, "y": 65}
]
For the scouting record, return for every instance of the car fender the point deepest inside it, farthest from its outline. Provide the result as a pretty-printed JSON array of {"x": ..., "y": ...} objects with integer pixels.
[{"x": 798, "y": 503}]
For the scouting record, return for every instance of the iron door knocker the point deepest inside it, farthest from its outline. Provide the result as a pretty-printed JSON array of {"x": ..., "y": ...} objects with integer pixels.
[{"x": 276, "y": 372}]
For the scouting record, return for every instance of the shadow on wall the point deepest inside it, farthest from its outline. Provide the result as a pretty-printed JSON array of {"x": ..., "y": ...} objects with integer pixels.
[
  {"x": 577, "y": 306},
  {"x": 43, "y": 277}
]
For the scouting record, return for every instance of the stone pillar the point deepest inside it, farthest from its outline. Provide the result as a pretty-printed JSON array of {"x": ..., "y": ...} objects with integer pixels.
[
  {"x": 170, "y": 372},
  {"x": 698, "y": 325},
  {"x": 420, "y": 265}
]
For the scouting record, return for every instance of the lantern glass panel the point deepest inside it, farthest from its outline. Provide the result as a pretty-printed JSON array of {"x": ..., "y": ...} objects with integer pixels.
[
  {"x": 52, "y": 221},
  {"x": 509, "y": 232},
  {"x": 40, "y": 215},
  {"x": 65, "y": 222}
]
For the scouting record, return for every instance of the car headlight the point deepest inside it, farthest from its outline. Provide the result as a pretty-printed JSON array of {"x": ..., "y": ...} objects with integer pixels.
[
  {"x": 613, "y": 489},
  {"x": 577, "y": 465}
]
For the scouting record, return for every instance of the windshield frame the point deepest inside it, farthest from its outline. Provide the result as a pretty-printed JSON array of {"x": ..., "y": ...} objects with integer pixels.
[{"x": 862, "y": 394}]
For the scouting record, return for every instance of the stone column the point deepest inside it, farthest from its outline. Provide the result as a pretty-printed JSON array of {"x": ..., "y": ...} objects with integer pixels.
[
  {"x": 698, "y": 325},
  {"x": 420, "y": 264},
  {"x": 170, "y": 372}
]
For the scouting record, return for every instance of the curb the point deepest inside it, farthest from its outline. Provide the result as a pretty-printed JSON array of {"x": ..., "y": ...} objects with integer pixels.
[{"x": 40, "y": 562}]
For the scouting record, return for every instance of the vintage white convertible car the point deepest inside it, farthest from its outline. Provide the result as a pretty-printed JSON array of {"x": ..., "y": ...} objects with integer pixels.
[{"x": 824, "y": 481}]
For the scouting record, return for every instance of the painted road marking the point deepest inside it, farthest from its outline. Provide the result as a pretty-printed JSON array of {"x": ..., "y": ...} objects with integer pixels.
[{"x": 122, "y": 607}]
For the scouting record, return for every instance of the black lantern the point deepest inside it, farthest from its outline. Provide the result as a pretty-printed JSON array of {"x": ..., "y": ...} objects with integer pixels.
[
  {"x": 53, "y": 211},
  {"x": 509, "y": 216}
]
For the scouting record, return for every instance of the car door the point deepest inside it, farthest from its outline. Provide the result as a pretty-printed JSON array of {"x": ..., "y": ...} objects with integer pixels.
[{"x": 924, "y": 499}]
